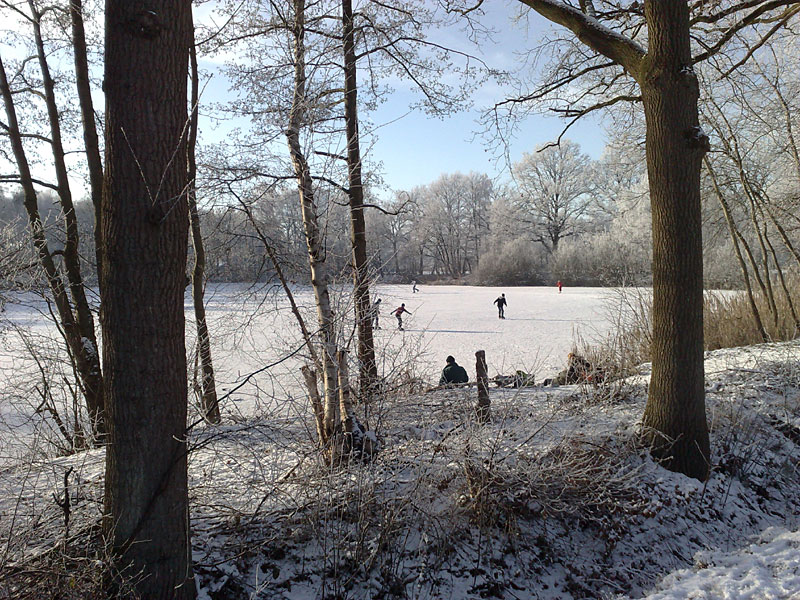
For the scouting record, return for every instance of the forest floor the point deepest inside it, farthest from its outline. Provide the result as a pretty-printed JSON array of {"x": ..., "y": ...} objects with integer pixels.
[{"x": 553, "y": 499}]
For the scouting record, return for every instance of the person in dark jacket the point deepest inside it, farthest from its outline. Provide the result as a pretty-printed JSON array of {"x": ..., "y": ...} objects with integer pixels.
[
  {"x": 375, "y": 312},
  {"x": 501, "y": 304},
  {"x": 453, "y": 373}
]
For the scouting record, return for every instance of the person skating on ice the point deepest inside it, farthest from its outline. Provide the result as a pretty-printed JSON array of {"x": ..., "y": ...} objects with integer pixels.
[
  {"x": 398, "y": 312},
  {"x": 375, "y": 313},
  {"x": 414, "y": 289},
  {"x": 501, "y": 304}
]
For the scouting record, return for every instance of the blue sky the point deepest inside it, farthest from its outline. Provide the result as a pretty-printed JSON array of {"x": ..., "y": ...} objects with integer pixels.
[
  {"x": 416, "y": 149},
  {"x": 413, "y": 148}
]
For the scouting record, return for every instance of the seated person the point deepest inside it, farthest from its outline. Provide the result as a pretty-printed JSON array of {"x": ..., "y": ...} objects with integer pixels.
[
  {"x": 579, "y": 370},
  {"x": 453, "y": 373}
]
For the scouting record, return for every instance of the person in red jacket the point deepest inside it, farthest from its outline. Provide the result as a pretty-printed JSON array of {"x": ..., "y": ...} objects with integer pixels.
[
  {"x": 398, "y": 312},
  {"x": 558, "y": 285}
]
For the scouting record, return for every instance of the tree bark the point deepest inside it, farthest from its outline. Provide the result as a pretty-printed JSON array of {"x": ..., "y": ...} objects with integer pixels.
[
  {"x": 674, "y": 416},
  {"x": 310, "y": 376},
  {"x": 345, "y": 404},
  {"x": 145, "y": 232},
  {"x": 209, "y": 404},
  {"x": 368, "y": 371}
]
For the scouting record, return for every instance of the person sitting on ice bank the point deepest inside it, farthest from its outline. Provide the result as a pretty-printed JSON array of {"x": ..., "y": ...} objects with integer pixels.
[
  {"x": 453, "y": 373},
  {"x": 579, "y": 370}
]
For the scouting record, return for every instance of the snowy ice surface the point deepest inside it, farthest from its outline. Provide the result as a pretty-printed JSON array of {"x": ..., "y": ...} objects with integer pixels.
[
  {"x": 265, "y": 516},
  {"x": 540, "y": 328}
]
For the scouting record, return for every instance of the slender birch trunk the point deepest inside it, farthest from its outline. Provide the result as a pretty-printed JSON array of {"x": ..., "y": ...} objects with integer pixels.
[{"x": 311, "y": 228}]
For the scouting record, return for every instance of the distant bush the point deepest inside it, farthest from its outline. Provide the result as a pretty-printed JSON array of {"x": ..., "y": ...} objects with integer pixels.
[
  {"x": 601, "y": 260},
  {"x": 720, "y": 269},
  {"x": 518, "y": 262}
]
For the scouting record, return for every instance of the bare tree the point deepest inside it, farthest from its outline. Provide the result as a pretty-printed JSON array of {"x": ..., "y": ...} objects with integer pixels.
[
  {"x": 74, "y": 312},
  {"x": 555, "y": 186},
  {"x": 368, "y": 369},
  {"x": 455, "y": 220},
  {"x": 298, "y": 119},
  {"x": 658, "y": 72},
  {"x": 208, "y": 392}
]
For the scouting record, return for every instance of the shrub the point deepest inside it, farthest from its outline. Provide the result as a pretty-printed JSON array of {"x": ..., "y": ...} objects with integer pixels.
[
  {"x": 518, "y": 262},
  {"x": 601, "y": 259}
]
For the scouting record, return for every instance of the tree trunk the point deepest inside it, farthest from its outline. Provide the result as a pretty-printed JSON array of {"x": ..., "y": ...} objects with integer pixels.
[
  {"x": 311, "y": 229},
  {"x": 368, "y": 371},
  {"x": 674, "y": 416},
  {"x": 782, "y": 279},
  {"x": 90, "y": 139},
  {"x": 770, "y": 294},
  {"x": 310, "y": 376},
  {"x": 209, "y": 404},
  {"x": 145, "y": 233},
  {"x": 345, "y": 404},
  {"x": 484, "y": 407}
]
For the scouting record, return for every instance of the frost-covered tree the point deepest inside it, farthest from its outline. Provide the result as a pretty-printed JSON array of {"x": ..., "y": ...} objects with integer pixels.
[
  {"x": 555, "y": 186},
  {"x": 455, "y": 221}
]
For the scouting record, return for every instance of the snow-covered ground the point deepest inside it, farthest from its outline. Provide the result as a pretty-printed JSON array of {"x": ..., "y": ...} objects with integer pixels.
[{"x": 553, "y": 499}]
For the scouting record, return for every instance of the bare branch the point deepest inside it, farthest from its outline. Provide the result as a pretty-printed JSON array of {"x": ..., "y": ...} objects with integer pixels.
[
  {"x": 591, "y": 32},
  {"x": 781, "y": 23},
  {"x": 746, "y": 21},
  {"x": 577, "y": 114}
]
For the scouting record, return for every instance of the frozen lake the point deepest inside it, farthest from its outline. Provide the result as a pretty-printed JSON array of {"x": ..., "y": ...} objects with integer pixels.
[
  {"x": 541, "y": 326},
  {"x": 258, "y": 351}
]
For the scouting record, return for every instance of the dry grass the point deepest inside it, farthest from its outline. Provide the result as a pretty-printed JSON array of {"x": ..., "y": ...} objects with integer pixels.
[{"x": 728, "y": 322}]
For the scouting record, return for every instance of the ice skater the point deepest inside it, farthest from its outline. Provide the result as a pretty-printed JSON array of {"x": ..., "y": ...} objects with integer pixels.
[
  {"x": 414, "y": 289},
  {"x": 558, "y": 285},
  {"x": 398, "y": 312},
  {"x": 375, "y": 313},
  {"x": 501, "y": 305}
]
